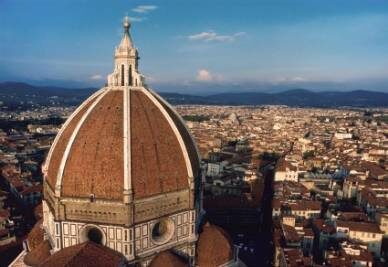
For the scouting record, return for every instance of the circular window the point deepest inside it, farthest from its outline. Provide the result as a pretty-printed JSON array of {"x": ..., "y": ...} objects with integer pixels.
[
  {"x": 92, "y": 233},
  {"x": 95, "y": 235},
  {"x": 162, "y": 231}
]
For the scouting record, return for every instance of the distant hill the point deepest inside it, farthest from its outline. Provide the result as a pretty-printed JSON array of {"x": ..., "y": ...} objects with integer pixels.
[
  {"x": 20, "y": 89},
  {"x": 295, "y": 98},
  {"x": 25, "y": 95},
  {"x": 305, "y": 98}
]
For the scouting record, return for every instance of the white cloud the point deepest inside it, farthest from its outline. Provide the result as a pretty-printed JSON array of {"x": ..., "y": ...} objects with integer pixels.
[
  {"x": 136, "y": 19},
  {"x": 292, "y": 79},
  {"x": 96, "y": 77},
  {"x": 210, "y": 36},
  {"x": 298, "y": 79},
  {"x": 205, "y": 75},
  {"x": 144, "y": 8}
]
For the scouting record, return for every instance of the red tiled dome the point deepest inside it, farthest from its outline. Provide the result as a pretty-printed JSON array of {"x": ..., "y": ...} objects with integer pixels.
[
  {"x": 214, "y": 247},
  {"x": 168, "y": 259},
  {"x": 90, "y": 154},
  {"x": 35, "y": 236},
  {"x": 40, "y": 253},
  {"x": 87, "y": 254}
]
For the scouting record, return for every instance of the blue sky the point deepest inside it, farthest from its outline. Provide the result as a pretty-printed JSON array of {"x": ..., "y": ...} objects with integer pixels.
[{"x": 202, "y": 44}]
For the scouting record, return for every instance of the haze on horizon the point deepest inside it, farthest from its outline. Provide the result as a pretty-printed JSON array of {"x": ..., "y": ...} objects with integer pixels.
[{"x": 200, "y": 46}]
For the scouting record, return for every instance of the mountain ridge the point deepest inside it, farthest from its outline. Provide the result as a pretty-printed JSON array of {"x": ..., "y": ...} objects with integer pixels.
[{"x": 14, "y": 92}]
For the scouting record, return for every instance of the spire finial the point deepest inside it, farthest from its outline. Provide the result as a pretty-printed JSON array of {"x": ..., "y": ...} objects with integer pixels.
[
  {"x": 126, "y": 24},
  {"x": 126, "y": 61}
]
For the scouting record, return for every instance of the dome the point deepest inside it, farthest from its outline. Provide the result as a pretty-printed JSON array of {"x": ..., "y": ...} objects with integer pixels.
[
  {"x": 39, "y": 254},
  {"x": 35, "y": 236},
  {"x": 167, "y": 259},
  {"x": 86, "y": 254},
  {"x": 123, "y": 143},
  {"x": 123, "y": 171},
  {"x": 214, "y": 247},
  {"x": 121, "y": 139}
]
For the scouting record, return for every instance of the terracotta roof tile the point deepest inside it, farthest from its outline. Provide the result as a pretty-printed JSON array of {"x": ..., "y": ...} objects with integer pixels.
[
  {"x": 168, "y": 259},
  {"x": 60, "y": 147},
  {"x": 36, "y": 235},
  {"x": 87, "y": 254},
  {"x": 158, "y": 165},
  {"x": 214, "y": 247},
  {"x": 190, "y": 145},
  {"x": 360, "y": 226},
  {"x": 95, "y": 163},
  {"x": 39, "y": 254}
]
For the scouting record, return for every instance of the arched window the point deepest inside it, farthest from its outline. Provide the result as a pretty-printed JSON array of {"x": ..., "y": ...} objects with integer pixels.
[
  {"x": 130, "y": 75},
  {"x": 122, "y": 75}
]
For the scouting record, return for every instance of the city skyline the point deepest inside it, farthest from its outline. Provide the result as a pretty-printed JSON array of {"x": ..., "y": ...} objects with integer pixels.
[
  {"x": 199, "y": 47},
  {"x": 128, "y": 176}
]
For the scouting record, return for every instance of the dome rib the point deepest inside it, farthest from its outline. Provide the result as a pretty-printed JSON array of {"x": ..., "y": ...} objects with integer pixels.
[
  {"x": 52, "y": 163},
  {"x": 175, "y": 129},
  {"x": 71, "y": 142},
  {"x": 154, "y": 136},
  {"x": 95, "y": 164},
  {"x": 191, "y": 147},
  {"x": 122, "y": 142}
]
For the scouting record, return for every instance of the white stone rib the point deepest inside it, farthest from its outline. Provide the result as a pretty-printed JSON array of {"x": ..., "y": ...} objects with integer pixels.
[
  {"x": 175, "y": 129},
  {"x": 48, "y": 158},
  {"x": 58, "y": 184},
  {"x": 180, "y": 119},
  {"x": 191, "y": 179},
  {"x": 127, "y": 140}
]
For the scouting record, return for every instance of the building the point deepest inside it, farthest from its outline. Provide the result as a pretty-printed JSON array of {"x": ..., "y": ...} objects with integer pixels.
[
  {"x": 122, "y": 182},
  {"x": 382, "y": 220},
  {"x": 350, "y": 255},
  {"x": 300, "y": 209},
  {"x": 342, "y": 136},
  {"x": 214, "y": 168},
  {"x": 361, "y": 232},
  {"x": 285, "y": 171}
]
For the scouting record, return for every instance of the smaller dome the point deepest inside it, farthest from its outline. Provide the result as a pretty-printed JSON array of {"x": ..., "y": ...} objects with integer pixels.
[
  {"x": 168, "y": 259},
  {"x": 86, "y": 254},
  {"x": 214, "y": 247},
  {"x": 35, "y": 236},
  {"x": 39, "y": 254}
]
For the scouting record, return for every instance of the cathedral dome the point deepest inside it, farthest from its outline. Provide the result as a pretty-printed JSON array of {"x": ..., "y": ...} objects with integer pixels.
[
  {"x": 124, "y": 142},
  {"x": 121, "y": 139},
  {"x": 122, "y": 183},
  {"x": 123, "y": 171}
]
